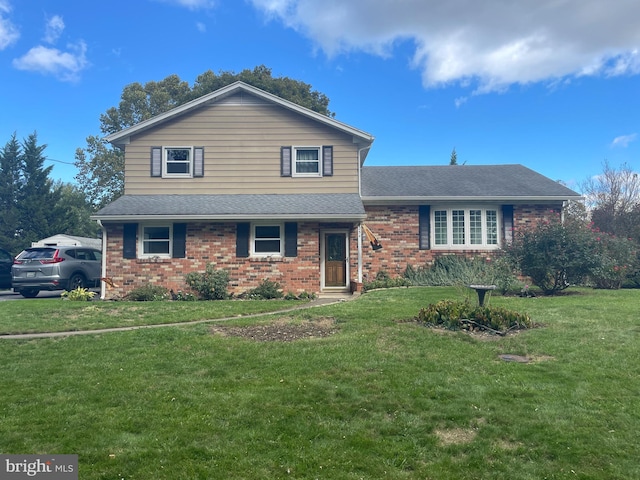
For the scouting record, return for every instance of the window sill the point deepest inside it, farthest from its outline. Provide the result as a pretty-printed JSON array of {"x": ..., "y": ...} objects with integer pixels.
[
  {"x": 155, "y": 259},
  {"x": 271, "y": 259}
]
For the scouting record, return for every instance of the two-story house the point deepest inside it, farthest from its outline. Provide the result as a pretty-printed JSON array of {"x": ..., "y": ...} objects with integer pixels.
[{"x": 267, "y": 189}]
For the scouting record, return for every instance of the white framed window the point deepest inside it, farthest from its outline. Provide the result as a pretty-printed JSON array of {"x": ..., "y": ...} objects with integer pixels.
[
  {"x": 177, "y": 162},
  {"x": 455, "y": 227},
  {"x": 155, "y": 240},
  {"x": 267, "y": 239},
  {"x": 307, "y": 162}
]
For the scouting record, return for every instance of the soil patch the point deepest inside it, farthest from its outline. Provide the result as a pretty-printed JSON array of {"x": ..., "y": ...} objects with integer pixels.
[{"x": 282, "y": 330}]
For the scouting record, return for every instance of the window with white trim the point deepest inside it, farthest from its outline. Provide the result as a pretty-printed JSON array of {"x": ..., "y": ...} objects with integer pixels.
[
  {"x": 177, "y": 162},
  {"x": 267, "y": 240},
  {"x": 155, "y": 240},
  {"x": 459, "y": 227},
  {"x": 307, "y": 161}
]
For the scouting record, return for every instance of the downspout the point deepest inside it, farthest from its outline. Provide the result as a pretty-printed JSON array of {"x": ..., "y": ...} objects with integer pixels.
[
  {"x": 360, "y": 150},
  {"x": 103, "y": 285}
]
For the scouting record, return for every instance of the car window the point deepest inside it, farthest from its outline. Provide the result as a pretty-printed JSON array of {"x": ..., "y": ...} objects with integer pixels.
[
  {"x": 70, "y": 253},
  {"x": 37, "y": 253},
  {"x": 83, "y": 254}
]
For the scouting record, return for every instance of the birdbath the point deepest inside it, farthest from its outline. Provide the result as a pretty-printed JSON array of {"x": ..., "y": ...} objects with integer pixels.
[{"x": 482, "y": 291}]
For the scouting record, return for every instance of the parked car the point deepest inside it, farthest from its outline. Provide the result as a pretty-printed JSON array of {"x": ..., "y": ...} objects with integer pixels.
[
  {"x": 6, "y": 260},
  {"x": 55, "y": 268}
]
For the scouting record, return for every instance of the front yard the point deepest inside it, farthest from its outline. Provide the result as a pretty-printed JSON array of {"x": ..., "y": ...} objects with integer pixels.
[{"x": 376, "y": 396}]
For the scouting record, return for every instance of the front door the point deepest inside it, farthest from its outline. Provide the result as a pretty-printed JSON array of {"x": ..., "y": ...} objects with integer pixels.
[{"x": 335, "y": 259}]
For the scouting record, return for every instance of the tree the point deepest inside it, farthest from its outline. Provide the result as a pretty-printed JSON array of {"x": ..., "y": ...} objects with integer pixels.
[
  {"x": 72, "y": 212},
  {"x": 101, "y": 166},
  {"x": 614, "y": 201},
  {"x": 9, "y": 187},
  {"x": 36, "y": 196},
  {"x": 454, "y": 157}
]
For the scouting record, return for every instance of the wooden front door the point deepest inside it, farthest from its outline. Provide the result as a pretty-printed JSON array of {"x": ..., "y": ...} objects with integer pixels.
[{"x": 335, "y": 260}]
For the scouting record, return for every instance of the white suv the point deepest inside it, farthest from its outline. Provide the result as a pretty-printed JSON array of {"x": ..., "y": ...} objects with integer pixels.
[{"x": 55, "y": 268}]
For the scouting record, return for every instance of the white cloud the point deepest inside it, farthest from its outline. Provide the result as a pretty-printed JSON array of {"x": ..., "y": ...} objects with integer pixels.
[
  {"x": 486, "y": 45},
  {"x": 64, "y": 65},
  {"x": 54, "y": 28},
  {"x": 9, "y": 33},
  {"x": 623, "y": 141},
  {"x": 202, "y": 28}
]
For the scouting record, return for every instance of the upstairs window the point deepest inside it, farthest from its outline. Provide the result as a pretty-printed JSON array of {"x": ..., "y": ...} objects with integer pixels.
[
  {"x": 177, "y": 162},
  {"x": 307, "y": 162}
]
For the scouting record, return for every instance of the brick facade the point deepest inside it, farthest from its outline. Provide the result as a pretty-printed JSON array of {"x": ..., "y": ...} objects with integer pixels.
[{"x": 396, "y": 227}]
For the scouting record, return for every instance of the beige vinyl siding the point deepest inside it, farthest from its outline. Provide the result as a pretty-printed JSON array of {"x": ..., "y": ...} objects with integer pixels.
[{"x": 241, "y": 152}]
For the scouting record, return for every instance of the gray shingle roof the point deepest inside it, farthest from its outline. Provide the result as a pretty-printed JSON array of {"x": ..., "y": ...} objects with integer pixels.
[
  {"x": 451, "y": 182},
  {"x": 235, "y": 207}
]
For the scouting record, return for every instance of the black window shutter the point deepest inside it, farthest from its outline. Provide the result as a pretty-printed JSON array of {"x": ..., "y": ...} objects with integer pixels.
[
  {"x": 290, "y": 239},
  {"x": 424, "y": 213},
  {"x": 507, "y": 223},
  {"x": 285, "y": 161},
  {"x": 179, "y": 240},
  {"x": 198, "y": 162},
  {"x": 327, "y": 161},
  {"x": 129, "y": 240},
  {"x": 242, "y": 240},
  {"x": 156, "y": 161}
]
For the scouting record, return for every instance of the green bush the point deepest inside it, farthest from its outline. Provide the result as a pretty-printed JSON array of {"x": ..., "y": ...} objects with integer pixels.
[
  {"x": 148, "y": 293},
  {"x": 617, "y": 261},
  {"x": 78, "y": 295},
  {"x": 384, "y": 280},
  {"x": 555, "y": 254},
  {"x": 458, "y": 315},
  {"x": 210, "y": 285},
  {"x": 267, "y": 290}
]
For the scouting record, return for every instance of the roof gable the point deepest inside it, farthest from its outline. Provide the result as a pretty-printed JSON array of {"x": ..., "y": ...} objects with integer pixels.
[{"x": 237, "y": 93}]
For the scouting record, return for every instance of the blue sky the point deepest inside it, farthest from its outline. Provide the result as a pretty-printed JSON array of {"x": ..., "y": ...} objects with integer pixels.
[{"x": 551, "y": 85}]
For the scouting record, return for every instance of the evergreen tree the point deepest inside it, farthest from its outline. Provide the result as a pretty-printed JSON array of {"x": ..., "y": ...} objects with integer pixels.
[
  {"x": 454, "y": 157},
  {"x": 36, "y": 197},
  {"x": 9, "y": 187}
]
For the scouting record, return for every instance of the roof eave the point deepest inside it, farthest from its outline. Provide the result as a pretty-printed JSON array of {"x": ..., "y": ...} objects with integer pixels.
[
  {"x": 230, "y": 217},
  {"x": 387, "y": 200}
]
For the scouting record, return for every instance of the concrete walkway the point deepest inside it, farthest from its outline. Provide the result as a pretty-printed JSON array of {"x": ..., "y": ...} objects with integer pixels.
[{"x": 318, "y": 302}]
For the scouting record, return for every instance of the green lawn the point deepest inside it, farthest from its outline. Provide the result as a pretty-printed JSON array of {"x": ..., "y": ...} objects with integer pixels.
[{"x": 381, "y": 398}]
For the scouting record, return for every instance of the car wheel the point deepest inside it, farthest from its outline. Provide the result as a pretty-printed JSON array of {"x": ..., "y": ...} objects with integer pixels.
[
  {"x": 29, "y": 292},
  {"x": 77, "y": 280}
]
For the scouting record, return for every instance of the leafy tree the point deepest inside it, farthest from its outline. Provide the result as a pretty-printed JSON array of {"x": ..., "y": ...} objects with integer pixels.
[
  {"x": 454, "y": 157},
  {"x": 555, "y": 254},
  {"x": 101, "y": 167},
  {"x": 9, "y": 187},
  {"x": 72, "y": 212},
  {"x": 614, "y": 200}
]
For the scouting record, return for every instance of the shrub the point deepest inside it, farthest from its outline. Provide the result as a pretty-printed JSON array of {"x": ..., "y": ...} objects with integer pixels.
[
  {"x": 267, "y": 290},
  {"x": 554, "y": 254},
  {"x": 210, "y": 285},
  {"x": 78, "y": 295},
  {"x": 456, "y": 270},
  {"x": 617, "y": 261},
  {"x": 384, "y": 280},
  {"x": 148, "y": 293},
  {"x": 457, "y": 315}
]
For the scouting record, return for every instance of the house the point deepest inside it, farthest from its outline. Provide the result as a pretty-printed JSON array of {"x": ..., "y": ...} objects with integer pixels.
[
  {"x": 266, "y": 189},
  {"x": 62, "y": 239}
]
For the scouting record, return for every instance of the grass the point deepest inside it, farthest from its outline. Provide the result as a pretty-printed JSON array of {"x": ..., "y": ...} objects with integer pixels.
[
  {"x": 382, "y": 398},
  {"x": 56, "y": 315}
]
